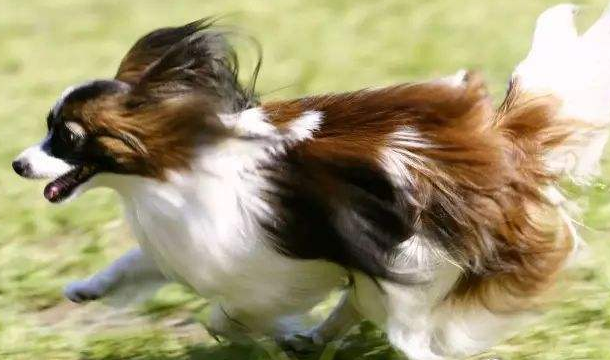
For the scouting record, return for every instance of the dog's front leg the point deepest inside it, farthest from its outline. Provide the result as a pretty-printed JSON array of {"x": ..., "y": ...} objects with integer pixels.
[{"x": 134, "y": 268}]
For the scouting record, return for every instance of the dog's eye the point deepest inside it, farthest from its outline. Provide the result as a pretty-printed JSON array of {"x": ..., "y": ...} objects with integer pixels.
[
  {"x": 66, "y": 136},
  {"x": 72, "y": 137},
  {"x": 73, "y": 134}
]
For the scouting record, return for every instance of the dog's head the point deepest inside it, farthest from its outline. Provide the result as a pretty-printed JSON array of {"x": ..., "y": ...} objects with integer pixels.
[{"x": 163, "y": 103}]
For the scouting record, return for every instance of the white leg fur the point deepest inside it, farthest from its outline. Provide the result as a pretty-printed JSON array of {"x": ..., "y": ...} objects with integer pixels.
[
  {"x": 133, "y": 271},
  {"x": 223, "y": 322},
  {"x": 343, "y": 317},
  {"x": 424, "y": 326},
  {"x": 576, "y": 69},
  {"x": 241, "y": 325}
]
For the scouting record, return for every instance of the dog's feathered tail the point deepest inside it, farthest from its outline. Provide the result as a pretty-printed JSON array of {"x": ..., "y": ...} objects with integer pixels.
[
  {"x": 556, "y": 117},
  {"x": 573, "y": 70}
]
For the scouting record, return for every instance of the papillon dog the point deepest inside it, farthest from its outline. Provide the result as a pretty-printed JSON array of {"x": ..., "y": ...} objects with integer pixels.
[{"x": 439, "y": 215}]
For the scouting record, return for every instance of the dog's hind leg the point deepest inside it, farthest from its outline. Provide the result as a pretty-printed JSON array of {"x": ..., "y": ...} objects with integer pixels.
[
  {"x": 343, "y": 317},
  {"x": 133, "y": 272},
  {"x": 224, "y": 322},
  {"x": 242, "y": 326}
]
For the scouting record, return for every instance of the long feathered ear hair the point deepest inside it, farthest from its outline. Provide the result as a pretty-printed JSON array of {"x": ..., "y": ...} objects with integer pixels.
[{"x": 192, "y": 60}]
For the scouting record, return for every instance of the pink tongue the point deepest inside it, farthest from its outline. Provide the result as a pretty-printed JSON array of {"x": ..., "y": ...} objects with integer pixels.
[{"x": 52, "y": 192}]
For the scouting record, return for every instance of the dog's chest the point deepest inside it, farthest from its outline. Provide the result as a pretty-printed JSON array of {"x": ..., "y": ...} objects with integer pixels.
[{"x": 203, "y": 232}]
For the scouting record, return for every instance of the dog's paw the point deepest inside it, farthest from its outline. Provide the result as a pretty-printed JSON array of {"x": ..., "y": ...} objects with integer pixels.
[
  {"x": 301, "y": 342},
  {"x": 84, "y": 290}
]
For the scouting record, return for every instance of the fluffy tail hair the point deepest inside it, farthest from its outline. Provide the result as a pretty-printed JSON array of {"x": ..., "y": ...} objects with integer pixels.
[
  {"x": 555, "y": 119},
  {"x": 573, "y": 71}
]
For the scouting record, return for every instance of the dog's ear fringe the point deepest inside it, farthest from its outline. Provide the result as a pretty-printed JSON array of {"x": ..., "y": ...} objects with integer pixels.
[
  {"x": 194, "y": 57},
  {"x": 152, "y": 46}
]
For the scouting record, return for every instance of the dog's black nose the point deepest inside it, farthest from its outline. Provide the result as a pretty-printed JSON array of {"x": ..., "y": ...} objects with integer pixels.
[{"x": 21, "y": 168}]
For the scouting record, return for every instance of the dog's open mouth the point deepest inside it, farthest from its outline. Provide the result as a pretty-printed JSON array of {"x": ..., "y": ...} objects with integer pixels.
[{"x": 62, "y": 187}]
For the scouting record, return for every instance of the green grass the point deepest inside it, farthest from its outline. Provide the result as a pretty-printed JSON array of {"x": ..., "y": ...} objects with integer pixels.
[{"x": 310, "y": 47}]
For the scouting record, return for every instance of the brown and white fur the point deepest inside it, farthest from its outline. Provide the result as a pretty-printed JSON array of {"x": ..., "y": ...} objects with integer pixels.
[{"x": 442, "y": 211}]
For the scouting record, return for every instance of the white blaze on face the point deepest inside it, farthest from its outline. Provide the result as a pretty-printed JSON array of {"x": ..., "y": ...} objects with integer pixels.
[{"x": 41, "y": 164}]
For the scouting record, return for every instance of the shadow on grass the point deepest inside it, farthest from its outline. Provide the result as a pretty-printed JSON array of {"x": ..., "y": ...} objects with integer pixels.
[{"x": 366, "y": 343}]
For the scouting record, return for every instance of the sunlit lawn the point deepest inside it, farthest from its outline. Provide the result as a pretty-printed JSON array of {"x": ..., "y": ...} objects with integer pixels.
[{"x": 309, "y": 47}]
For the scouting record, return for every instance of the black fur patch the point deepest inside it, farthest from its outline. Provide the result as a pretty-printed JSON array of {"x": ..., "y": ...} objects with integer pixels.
[{"x": 340, "y": 211}]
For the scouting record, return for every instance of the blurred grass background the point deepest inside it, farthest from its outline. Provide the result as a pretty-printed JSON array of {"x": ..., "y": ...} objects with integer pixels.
[{"x": 309, "y": 47}]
